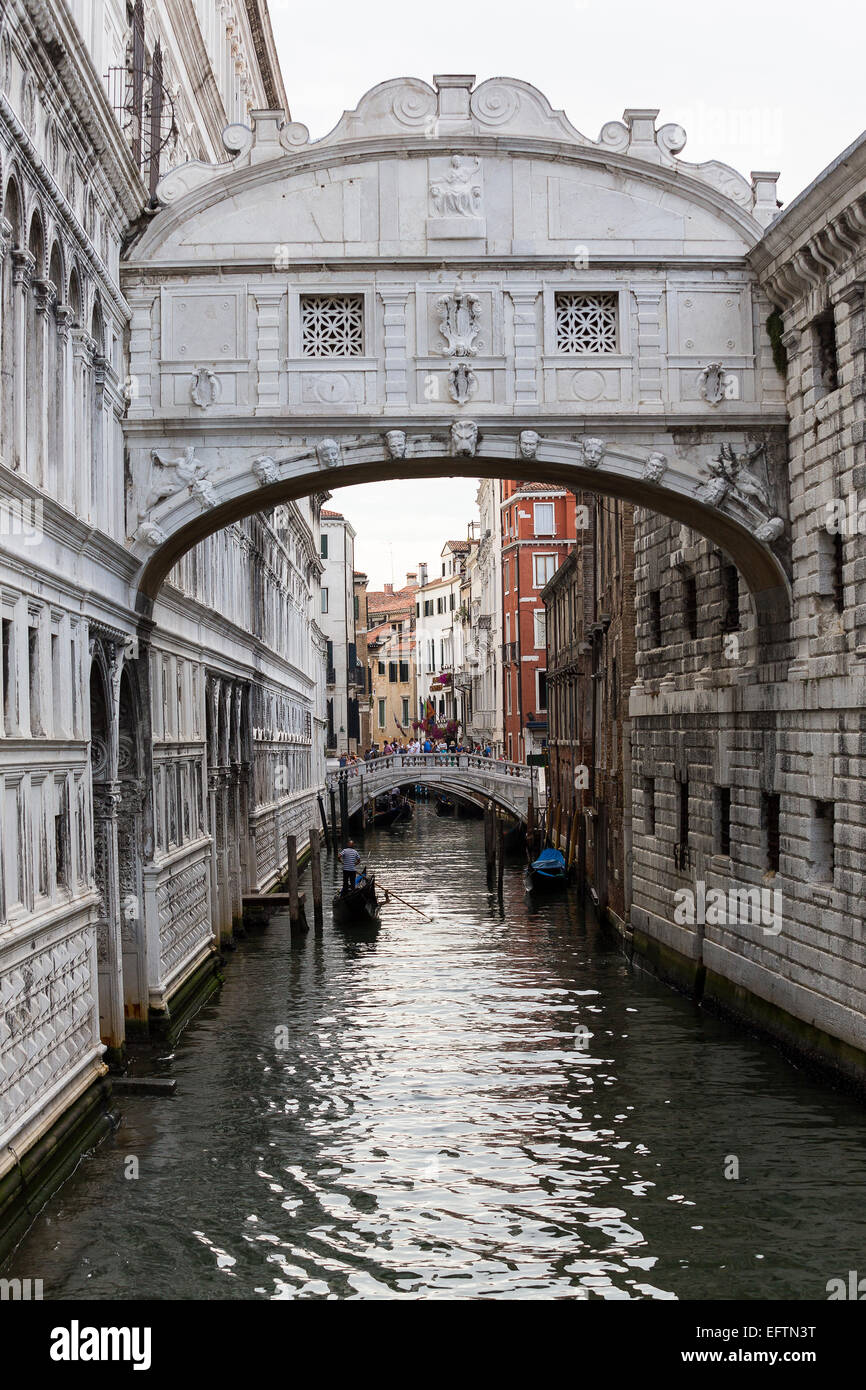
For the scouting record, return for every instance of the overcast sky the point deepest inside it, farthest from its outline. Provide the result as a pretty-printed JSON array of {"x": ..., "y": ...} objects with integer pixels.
[{"x": 759, "y": 84}]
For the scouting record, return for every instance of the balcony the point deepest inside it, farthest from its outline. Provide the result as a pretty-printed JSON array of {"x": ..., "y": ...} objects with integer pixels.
[
  {"x": 331, "y": 676},
  {"x": 509, "y": 651},
  {"x": 357, "y": 677}
]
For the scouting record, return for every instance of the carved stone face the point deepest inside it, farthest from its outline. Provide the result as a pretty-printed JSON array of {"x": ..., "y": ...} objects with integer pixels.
[
  {"x": 265, "y": 470},
  {"x": 654, "y": 467},
  {"x": 396, "y": 443},
  {"x": 464, "y": 438},
  {"x": 529, "y": 440},
  {"x": 593, "y": 451},
  {"x": 151, "y": 534},
  {"x": 328, "y": 453}
]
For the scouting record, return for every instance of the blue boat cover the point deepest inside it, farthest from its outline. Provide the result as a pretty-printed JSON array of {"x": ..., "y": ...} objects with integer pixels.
[{"x": 549, "y": 859}]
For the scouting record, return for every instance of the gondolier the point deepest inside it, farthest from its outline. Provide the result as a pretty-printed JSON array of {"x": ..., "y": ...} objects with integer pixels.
[{"x": 350, "y": 860}]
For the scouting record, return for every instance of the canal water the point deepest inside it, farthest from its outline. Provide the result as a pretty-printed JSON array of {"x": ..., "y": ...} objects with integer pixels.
[{"x": 486, "y": 1105}]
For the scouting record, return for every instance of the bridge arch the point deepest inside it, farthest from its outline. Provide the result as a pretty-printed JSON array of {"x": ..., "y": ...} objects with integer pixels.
[
  {"x": 508, "y": 785},
  {"x": 457, "y": 229}
]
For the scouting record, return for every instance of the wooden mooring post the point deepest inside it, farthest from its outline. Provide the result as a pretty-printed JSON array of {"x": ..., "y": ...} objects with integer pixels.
[
  {"x": 333, "y": 820},
  {"x": 489, "y": 843},
  {"x": 500, "y": 857},
  {"x": 324, "y": 820},
  {"x": 316, "y": 876},
  {"x": 292, "y": 878},
  {"x": 344, "y": 810}
]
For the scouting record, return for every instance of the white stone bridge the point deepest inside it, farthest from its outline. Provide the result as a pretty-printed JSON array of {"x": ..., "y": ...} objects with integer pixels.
[{"x": 476, "y": 778}]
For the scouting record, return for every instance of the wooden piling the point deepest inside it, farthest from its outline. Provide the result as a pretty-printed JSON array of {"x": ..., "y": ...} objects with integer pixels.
[
  {"x": 324, "y": 820},
  {"x": 572, "y": 837},
  {"x": 500, "y": 856},
  {"x": 292, "y": 878},
  {"x": 344, "y": 811},
  {"x": 489, "y": 843},
  {"x": 316, "y": 876},
  {"x": 333, "y": 820}
]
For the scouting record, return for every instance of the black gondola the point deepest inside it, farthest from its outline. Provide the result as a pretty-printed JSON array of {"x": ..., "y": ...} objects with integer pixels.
[
  {"x": 547, "y": 872},
  {"x": 359, "y": 907}
]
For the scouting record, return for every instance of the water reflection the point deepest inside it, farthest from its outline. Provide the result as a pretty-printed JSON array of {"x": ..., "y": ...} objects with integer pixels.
[{"x": 485, "y": 1105}]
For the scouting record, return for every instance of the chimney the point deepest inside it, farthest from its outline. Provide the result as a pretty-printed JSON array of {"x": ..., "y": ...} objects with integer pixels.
[
  {"x": 422, "y": 573},
  {"x": 411, "y": 579},
  {"x": 389, "y": 588}
]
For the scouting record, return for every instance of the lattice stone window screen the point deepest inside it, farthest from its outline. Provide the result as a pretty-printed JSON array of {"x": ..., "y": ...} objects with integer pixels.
[
  {"x": 332, "y": 325},
  {"x": 586, "y": 322}
]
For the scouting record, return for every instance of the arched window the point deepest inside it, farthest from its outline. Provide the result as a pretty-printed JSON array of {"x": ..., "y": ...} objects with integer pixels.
[
  {"x": 35, "y": 355},
  {"x": 9, "y": 381}
]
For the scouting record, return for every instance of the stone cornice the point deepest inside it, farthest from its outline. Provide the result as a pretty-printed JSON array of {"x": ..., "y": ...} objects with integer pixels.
[{"x": 69, "y": 59}]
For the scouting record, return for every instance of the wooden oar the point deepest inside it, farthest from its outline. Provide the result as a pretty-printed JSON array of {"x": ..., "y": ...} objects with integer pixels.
[{"x": 391, "y": 894}]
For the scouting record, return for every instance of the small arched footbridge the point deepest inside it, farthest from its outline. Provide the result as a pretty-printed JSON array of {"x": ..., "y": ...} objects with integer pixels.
[{"x": 479, "y": 779}]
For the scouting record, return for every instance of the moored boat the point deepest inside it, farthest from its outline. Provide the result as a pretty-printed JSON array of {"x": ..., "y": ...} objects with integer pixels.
[{"x": 547, "y": 872}]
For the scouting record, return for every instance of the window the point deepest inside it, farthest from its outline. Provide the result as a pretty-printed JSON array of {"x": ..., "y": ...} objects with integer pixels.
[
  {"x": 440, "y": 604},
  {"x": 544, "y": 569},
  {"x": 392, "y": 672},
  {"x": 323, "y": 547},
  {"x": 586, "y": 323},
  {"x": 417, "y": 610},
  {"x": 8, "y": 688},
  {"x": 381, "y": 667},
  {"x": 332, "y": 325},
  {"x": 404, "y": 672},
  {"x": 451, "y": 603},
  {"x": 838, "y": 572},
  {"x": 324, "y": 600},
  {"x": 381, "y": 713},
  {"x": 405, "y": 710},
  {"x": 723, "y": 820},
  {"x": 540, "y": 619},
  {"x": 649, "y": 805},
  {"x": 33, "y": 675},
  {"x": 681, "y": 847},
  {"x": 690, "y": 598},
  {"x": 655, "y": 618},
  {"x": 821, "y": 847},
  {"x": 541, "y": 689},
  {"x": 770, "y": 808},
  {"x": 357, "y": 608},
  {"x": 428, "y": 608},
  {"x": 544, "y": 519},
  {"x": 731, "y": 588},
  {"x": 824, "y": 353}
]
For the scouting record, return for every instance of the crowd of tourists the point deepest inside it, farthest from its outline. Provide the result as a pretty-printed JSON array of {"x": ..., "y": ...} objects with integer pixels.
[{"x": 416, "y": 746}]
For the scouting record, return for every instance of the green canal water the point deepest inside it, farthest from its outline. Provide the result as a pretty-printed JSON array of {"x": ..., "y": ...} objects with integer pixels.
[{"x": 409, "y": 1114}]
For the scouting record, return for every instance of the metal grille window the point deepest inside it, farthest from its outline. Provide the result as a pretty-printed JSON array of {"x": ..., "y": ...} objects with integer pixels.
[
  {"x": 586, "y": 323},
  {"x": 332, "y": 325}
]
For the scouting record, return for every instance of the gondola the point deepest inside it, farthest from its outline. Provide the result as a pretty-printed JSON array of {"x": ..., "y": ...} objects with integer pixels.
[
  {"x": 547, "y": 872},
  {"x": 386, "y": 816},
  {"x": 359, "y": 907}
]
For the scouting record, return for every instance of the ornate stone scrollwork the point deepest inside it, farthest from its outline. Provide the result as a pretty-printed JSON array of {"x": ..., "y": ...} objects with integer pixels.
[
  {"x": 593, "y": 451},
  {"x": 733, "y": 480},
  {"x": 713, "y": 383},
  {"x": 654, "y": 468},
  {"x": 462, "y": 383},
  {"x": 395, "y": 443},
  {"x": 266, "y": 470},
  {"x": 459, "y": 323},
  {"x": 528, "y": 441},
  {"x": 205, "y": 389},
  {"x": 464, "y": 438}
]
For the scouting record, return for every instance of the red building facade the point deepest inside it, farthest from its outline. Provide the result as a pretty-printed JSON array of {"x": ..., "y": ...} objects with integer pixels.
[{"x": 538, "y": 531}]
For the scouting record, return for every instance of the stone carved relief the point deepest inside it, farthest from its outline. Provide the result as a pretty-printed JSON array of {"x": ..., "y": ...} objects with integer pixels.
[
  {"x": 459, "y": 323},
  {"x": 464, "y": 438},
  {"x": 205, "y": 388},
  {"x": 462, "y": 383},
  {"x": 169, "y": 476},
  {"x": 151, "y": 534},
  {"x": 266, "y": 470},
  {"x": 395, "y": 442},
  {"x": 654, "y": 468},
  {"x": 593, "y": 451},
  {"x": 528, "y": 441},
  {"x": 713, "y": 383},
  {"x": 328, "y": 453},
  {"x": 733, "y": 479},
  {"x": 204, "y": 493},
  {"x": 457, "y": 194}
]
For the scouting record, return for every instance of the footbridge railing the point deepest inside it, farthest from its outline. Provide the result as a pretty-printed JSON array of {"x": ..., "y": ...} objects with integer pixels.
[{"x": 509, "y": 784}]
